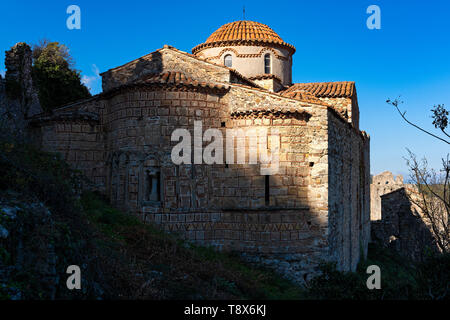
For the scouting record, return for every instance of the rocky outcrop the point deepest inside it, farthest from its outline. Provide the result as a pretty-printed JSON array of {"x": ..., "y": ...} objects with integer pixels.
[{"x": 26, "y": 249}]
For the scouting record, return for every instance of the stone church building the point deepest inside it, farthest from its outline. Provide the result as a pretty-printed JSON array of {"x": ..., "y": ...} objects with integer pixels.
[{"x": 316, "y": 207}]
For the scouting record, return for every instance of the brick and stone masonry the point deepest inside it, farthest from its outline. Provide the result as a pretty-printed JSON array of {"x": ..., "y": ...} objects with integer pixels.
[{"x": 315, "y": 208}]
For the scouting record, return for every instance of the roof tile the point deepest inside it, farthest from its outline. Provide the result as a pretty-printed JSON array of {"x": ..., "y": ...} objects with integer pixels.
[
  {"x": 239, "y": 31},
  {"x": 342, "y": 89}
]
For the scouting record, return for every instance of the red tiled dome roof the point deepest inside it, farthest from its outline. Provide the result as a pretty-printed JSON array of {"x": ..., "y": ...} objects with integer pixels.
[{"x": 242, "y": 31}]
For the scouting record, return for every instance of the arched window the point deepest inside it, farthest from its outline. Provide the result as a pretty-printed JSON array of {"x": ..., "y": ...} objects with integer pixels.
[
  {"x": 228, "y": 61},
  {"x": 267, "y": 63}
]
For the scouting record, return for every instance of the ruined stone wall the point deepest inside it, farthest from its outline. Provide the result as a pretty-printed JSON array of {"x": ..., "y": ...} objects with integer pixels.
[
  {"x": 18, "y": 96},
  {"x": 349, "y": 197},
  {"x": 382, "y": 183},
  {"x": 402, "y": 227}
]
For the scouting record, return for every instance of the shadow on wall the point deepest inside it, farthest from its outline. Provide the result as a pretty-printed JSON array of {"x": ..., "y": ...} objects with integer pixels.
[{"x": 402, "y": 228}]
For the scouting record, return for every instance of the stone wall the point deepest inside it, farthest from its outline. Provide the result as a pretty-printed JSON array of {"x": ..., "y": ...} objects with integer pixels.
[
  {"x": 381, "y": 184},
  {"x": 272, "y": 84},
  {"x": 402, "y": 227},
  {"x": 140, "y": 125},
  {"x": 347, "y": 107},
  {"x": 349, "y": 197},
  {"x": 79, "y": 138}
]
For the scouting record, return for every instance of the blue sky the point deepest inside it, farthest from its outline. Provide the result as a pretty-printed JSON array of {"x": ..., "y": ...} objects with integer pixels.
[{"x": 409, "y": 56}]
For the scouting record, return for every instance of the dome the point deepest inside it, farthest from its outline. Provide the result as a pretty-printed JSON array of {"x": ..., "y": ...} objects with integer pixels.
[{"x": 243, "y": 32}]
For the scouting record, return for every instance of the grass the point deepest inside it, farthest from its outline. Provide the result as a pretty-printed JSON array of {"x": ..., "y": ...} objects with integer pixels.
[{"x": 185, "y": 271}]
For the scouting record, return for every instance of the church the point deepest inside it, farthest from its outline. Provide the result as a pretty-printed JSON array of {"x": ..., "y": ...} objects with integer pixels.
[{"x": 315, "y": 207}]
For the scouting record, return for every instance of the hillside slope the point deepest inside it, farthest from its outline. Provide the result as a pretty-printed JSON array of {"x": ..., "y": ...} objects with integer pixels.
[{"x": 47, "y": 224}]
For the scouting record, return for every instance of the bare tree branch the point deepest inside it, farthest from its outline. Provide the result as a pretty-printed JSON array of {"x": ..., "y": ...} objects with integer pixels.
[{"x": 396, "y": 102}]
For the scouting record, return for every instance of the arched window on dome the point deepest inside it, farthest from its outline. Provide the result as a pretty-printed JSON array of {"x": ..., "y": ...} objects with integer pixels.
[
  {"x": 228, "y": 61},
  {"x": 267, "y": 66}
]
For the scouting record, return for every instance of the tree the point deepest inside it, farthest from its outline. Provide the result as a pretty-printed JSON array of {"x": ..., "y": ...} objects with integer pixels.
[
  {"x": 433, "y": 198},
  {"x": 58, "y": 83},
  {"x": 433, "y": 187}
]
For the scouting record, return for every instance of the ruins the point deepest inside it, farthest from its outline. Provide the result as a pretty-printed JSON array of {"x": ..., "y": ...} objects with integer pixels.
[
  {"x": 381, "y": 184},
  {"x": 19, "y": 99},
  {"x": 397, "y": 221}
]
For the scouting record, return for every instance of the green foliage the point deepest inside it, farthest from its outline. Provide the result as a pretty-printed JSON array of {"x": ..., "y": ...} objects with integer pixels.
[
  {"x": 25, "y": 169},
  {"x": 434, "y": 277},
  {"x": 5, "y": 256},
  {"x": 101, "y": 213},
  {"x": 398, "y": 274},
  {"x": 29, "y": 176},
  {"x": 397, "y": 280},
  {"x": 57, "y": 83},
  {"x": 335, "y": 285},
  {"x": 401, "y": 279}
]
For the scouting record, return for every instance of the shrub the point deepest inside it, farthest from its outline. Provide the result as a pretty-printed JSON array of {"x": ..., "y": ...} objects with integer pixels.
[
  {"x": 57, "y": 82},
  {"x": 434, "y": 277}
]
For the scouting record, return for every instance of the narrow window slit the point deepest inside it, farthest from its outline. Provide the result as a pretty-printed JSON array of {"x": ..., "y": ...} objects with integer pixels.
[
  {"x": 154, "y": 186},
  {"x": 267, "y": 190}
]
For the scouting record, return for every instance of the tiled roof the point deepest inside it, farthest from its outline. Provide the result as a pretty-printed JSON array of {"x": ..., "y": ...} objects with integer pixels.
[
  {"x": 265, "y": 111},
  {"x": 233, "y": 71},
  {"x": 303, "y": 97},
  {"x": 177, "y": 78},
  {"x": 265, "y": 76},
  {"x": 243, "y": 31},
  {"x": 168, "y": 79},
  {"x": 342, "y": 89},
  {"x": 76, "y": 115}
]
